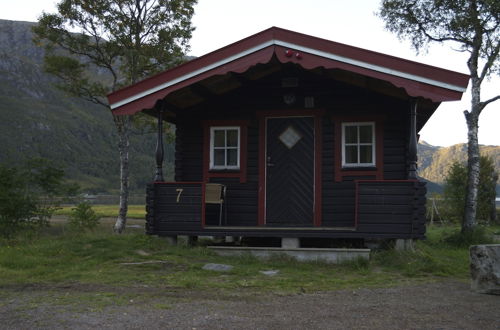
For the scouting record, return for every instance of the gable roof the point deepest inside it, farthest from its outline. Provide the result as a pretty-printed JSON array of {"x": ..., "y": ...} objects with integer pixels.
[{"x": 418, "y": 80}]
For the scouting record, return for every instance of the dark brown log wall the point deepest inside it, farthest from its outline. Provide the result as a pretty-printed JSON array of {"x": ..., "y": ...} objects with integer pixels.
[
  {"x": 338, "y": 197},
  {"x": 391, "y": 207},
  {"x": 176, "y": 206}
]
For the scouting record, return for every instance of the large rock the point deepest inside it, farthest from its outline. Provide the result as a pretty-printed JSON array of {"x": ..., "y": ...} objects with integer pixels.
[{"x": 485, "y": 268}]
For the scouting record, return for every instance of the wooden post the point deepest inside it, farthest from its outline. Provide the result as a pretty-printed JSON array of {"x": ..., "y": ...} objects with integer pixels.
[
  {"x": 159, "y": 147},
  {"x": 412, "y": 147}
]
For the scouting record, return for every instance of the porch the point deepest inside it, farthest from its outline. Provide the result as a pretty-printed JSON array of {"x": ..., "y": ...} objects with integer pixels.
[{"x": 379, "y": 209}]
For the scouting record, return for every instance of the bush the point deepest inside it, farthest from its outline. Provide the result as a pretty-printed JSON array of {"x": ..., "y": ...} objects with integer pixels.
[
  {"x": 455, "y": 188},
  {"x": 18, "y": 208},
  {"x": 83, "y": 217},
  {"x": 454, "y": 193},
  {"x": 29, "y": 195}
]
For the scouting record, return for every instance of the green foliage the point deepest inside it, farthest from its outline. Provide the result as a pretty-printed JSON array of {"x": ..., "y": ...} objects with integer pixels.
[
  {"x": 426, "y": 260},
  {"x": 29, "y": 195},
  {"x": 436, "y": 256},
  {"x": 454, "y": 192},
  {"x": 468, "y": 24},
  {"x": 82, "y": 217},
  {"x": 453, "y": 207},
  {"x": 486, "y": 194},
  {"x": 128, "y": 39},
  {"x": 75, "y": 77},
  {"x": 464, "y": 239},
  {"x": 18, "y": 208},
  {"x": 109, "y": 211}
]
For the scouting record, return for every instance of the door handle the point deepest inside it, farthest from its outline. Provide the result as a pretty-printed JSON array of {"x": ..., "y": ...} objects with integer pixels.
[{"x": 269, "y": 164}]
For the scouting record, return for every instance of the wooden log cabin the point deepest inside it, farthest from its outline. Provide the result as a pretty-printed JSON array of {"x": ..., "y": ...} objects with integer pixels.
[{"x": 299, "y": 137}]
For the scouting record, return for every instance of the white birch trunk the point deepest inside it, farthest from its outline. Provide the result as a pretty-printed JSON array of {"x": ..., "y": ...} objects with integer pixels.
[
  {"x": 123, "y": 126},
  {"x": 472, "y": 119}
]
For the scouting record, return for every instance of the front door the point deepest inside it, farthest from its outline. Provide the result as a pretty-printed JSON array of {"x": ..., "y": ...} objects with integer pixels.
[{"x": 290, "y": 171}]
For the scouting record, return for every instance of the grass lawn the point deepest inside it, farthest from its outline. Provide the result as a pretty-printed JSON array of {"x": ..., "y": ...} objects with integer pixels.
[
  {"x": 56, "y": 256},
  {"x": 134, "y": 211}
]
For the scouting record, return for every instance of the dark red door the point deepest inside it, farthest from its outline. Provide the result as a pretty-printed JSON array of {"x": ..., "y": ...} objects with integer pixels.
[{"x": 290, "y": 171}]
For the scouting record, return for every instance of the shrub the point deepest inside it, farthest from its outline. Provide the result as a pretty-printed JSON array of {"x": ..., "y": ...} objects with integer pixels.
[
  {"x": 83, "y": 217},
  {"x": 18, "y": 208},
  {"x": 455, "y": 188},
  {"x": 486, "y": 194},
  {"x": 29, "y": 195},
  {"x": 454, "y": 192}
]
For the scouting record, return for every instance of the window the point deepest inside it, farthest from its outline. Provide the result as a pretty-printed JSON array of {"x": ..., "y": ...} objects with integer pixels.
[
  {"x": 225, "y": 148},
  {"x": 358, "y": 144}
]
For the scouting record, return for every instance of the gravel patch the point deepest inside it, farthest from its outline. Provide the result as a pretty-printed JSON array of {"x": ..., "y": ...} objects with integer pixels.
[{"x": 440, "y": 305}]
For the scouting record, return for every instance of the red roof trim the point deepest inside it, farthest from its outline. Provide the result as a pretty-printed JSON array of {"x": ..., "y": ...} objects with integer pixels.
[
  {"x": 417, "y": 79},
  {"x": 148, "y": 101},
  {"x": 413, "y": 88}
]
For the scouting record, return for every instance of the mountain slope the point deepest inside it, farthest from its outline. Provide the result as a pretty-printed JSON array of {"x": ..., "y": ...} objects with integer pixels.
[
  {"x": 434, "y": 162},
  {"x": 38, "y": 120}
]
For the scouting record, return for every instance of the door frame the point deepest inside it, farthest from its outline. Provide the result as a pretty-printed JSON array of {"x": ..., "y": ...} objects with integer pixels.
[{"x": 263, "y": 116}]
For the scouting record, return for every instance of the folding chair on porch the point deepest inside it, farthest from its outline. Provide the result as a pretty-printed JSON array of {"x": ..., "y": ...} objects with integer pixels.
[{"x": 215, "y": 193}]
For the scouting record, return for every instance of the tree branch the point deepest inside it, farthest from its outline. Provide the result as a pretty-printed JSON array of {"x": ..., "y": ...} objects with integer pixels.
[
  {"x": 493, "y": 99},
  {"x": 490, "y": 61},
  {"x": 424, "y": 30}
]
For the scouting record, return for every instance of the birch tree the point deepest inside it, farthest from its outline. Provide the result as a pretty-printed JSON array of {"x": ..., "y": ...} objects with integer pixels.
[
  {"x": 127, "y": 40},
  {"x": 470, "y": 26}
]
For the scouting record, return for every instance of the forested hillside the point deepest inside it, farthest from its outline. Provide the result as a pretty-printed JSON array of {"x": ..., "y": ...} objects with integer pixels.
[
  {"x": 37, "y": 120},
  {"x": 434, "y": 162}
]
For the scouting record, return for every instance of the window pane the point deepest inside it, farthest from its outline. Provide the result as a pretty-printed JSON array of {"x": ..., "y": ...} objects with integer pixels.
[
  {"x": 232, "y": 157},
  {"x": 365, "y": 154},
  {"x": 351, "y": 134},
  {"x": 351, "y": 155},
  {"x": 232, "y": 138},
  {"x": 219, "y": 138},
  {"x": 219, "y": 159},
  {"x": 365, "y": 134}
]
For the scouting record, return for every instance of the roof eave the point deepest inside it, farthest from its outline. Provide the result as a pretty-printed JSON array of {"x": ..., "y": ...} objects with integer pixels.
[{"x": 418, "y": 79}]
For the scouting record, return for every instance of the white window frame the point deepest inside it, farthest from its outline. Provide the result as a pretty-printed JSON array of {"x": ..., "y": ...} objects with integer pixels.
[
  {"x": 212, "y": 148},
  {"x": 358, "y": 144}
]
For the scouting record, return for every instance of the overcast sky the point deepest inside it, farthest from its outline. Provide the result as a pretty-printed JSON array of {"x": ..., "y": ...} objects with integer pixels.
[{"x": 221, "y": 22}]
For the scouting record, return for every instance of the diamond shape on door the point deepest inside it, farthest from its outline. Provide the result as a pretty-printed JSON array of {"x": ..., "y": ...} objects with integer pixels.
[{"x": 290, "y": 137}]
